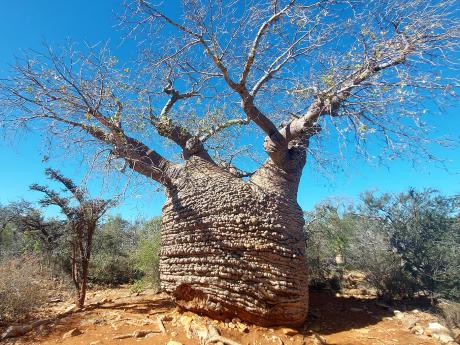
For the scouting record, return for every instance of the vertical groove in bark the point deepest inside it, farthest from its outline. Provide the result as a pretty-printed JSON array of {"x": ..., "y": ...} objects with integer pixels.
[{"x": 233, "y": 248}]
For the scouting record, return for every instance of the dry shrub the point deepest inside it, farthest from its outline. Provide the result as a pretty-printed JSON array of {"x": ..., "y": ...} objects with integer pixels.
[
  {"x": 450, "y": 311},
  {"x": 26, "y": 283}
]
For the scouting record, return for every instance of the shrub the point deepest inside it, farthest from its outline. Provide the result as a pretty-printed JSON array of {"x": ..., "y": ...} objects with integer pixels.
[
  {"x": 422, "y": 231},
  {"x": 111, "y": 262},
  {"x": 147, "y": 255},
  {"x": 406, "y": 244},
  {"x": 450, "y": 312},
  {"x": 371, "y": 254},
  {"x": 24, "y": 286},
  {"x": 106, "y": 269},
  {"x": 327, "y": 234}
]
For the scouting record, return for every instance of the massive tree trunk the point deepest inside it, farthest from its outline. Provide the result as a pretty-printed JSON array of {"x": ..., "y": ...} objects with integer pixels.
[{"x": 235, "y": 248}]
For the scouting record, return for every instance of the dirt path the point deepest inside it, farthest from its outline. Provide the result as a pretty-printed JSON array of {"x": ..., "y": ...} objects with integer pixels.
[{"x": 333, "y": 320}]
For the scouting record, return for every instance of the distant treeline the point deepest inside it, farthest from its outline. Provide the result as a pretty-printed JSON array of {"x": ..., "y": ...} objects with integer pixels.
[
  {"x": 406, "y": 244},
  {"x": 122, "y": 251}
]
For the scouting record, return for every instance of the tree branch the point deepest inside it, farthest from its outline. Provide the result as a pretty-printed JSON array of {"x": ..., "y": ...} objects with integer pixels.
[
  {"x": 255, "y": 43},
  {"x": 223, "y": 126},
  {"x": 329, "y": 101},
  {"x": 248, "y": 105},
  {"x": 190, "y": 144},
  {"x": 45, "y": 97}
]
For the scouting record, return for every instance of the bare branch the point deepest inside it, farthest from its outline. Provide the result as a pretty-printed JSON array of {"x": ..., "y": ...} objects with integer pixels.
[{"x": 255, "y": 44}]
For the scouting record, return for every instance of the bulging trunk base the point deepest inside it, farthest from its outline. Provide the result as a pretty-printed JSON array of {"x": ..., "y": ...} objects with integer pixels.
[{"x": 233, "y": 249}]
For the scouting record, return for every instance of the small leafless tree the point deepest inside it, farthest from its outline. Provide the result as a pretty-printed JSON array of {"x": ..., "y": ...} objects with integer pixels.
[
  {"x": 82, "y": 220},
  {"x": 209, "y": 76}
]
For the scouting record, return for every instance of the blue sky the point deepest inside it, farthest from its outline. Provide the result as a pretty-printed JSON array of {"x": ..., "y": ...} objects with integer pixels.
[{"x": 27, "y": 24}]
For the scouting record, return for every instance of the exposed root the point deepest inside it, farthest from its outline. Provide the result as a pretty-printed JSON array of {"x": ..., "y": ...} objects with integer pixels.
[{"x": 136, "y": 334}]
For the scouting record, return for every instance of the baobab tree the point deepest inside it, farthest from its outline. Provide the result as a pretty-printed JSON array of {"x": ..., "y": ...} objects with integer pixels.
[
  {"x": 210, "y": 74},
  {"x": 82, "y": 220}
]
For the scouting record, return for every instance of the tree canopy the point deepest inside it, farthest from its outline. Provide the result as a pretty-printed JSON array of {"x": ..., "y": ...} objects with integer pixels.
[{"x": 364, "y": 72}]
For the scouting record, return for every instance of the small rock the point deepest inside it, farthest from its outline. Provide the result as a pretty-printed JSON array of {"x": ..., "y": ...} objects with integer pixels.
[
  {"x": 43, "y": 330},
  {"x": 443, "y": 338},
  {"x": 277, "y": 340},
  {"x": 319, "y": 339},
  {"x": 200, "y": 330},
  {"x": 355, "y": 310},
  {"x": 16, "y": 331},
  {"x": 95, "y": 342},
  {"x": 140, "y": 333},
  {"x": 173, "y": 334},
  {"x": 186, "y": 320},
  {"x": 242, "y": 327},
  {"x": 289, "y": 332},
  {"x": 409, "y": 322},
  {"x": 439, "y": 332},
  {"x": 69, "y": 309},
  {"x": 173, "y": 342},
  {"x": 398, "y": 314},
  {"x": 417, "y": 329},
  {"x": 72, "y": 333},
  {"x": 92, "y": 322},
  {"x": 436, "y": 327}
]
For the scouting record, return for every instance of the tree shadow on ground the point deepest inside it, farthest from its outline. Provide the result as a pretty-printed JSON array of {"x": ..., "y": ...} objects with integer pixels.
[
  {"x": 145, "y": 306},
  {"x": 331, "y": 314}
]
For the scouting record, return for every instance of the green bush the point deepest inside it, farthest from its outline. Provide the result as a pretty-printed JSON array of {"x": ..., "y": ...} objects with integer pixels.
[
  {"x": 106, "y": 269},
  {"x": 405, "y": 244},
  {"x": 327, "y": 232},
  {"x": 422, "y": 231},
  {"x": 111, "y": 262},
  {"x": 147, "y": 255}
]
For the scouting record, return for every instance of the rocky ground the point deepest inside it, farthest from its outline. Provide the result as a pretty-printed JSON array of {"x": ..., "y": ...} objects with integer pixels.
[{"x": 118, "y": 316}]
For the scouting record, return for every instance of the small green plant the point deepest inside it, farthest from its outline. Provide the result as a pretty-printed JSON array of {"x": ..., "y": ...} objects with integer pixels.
[{"x": 139, "y": 286}]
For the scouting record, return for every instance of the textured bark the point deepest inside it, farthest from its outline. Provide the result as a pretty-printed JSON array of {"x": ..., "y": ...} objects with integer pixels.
[{"x": 235, "y": 248}]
